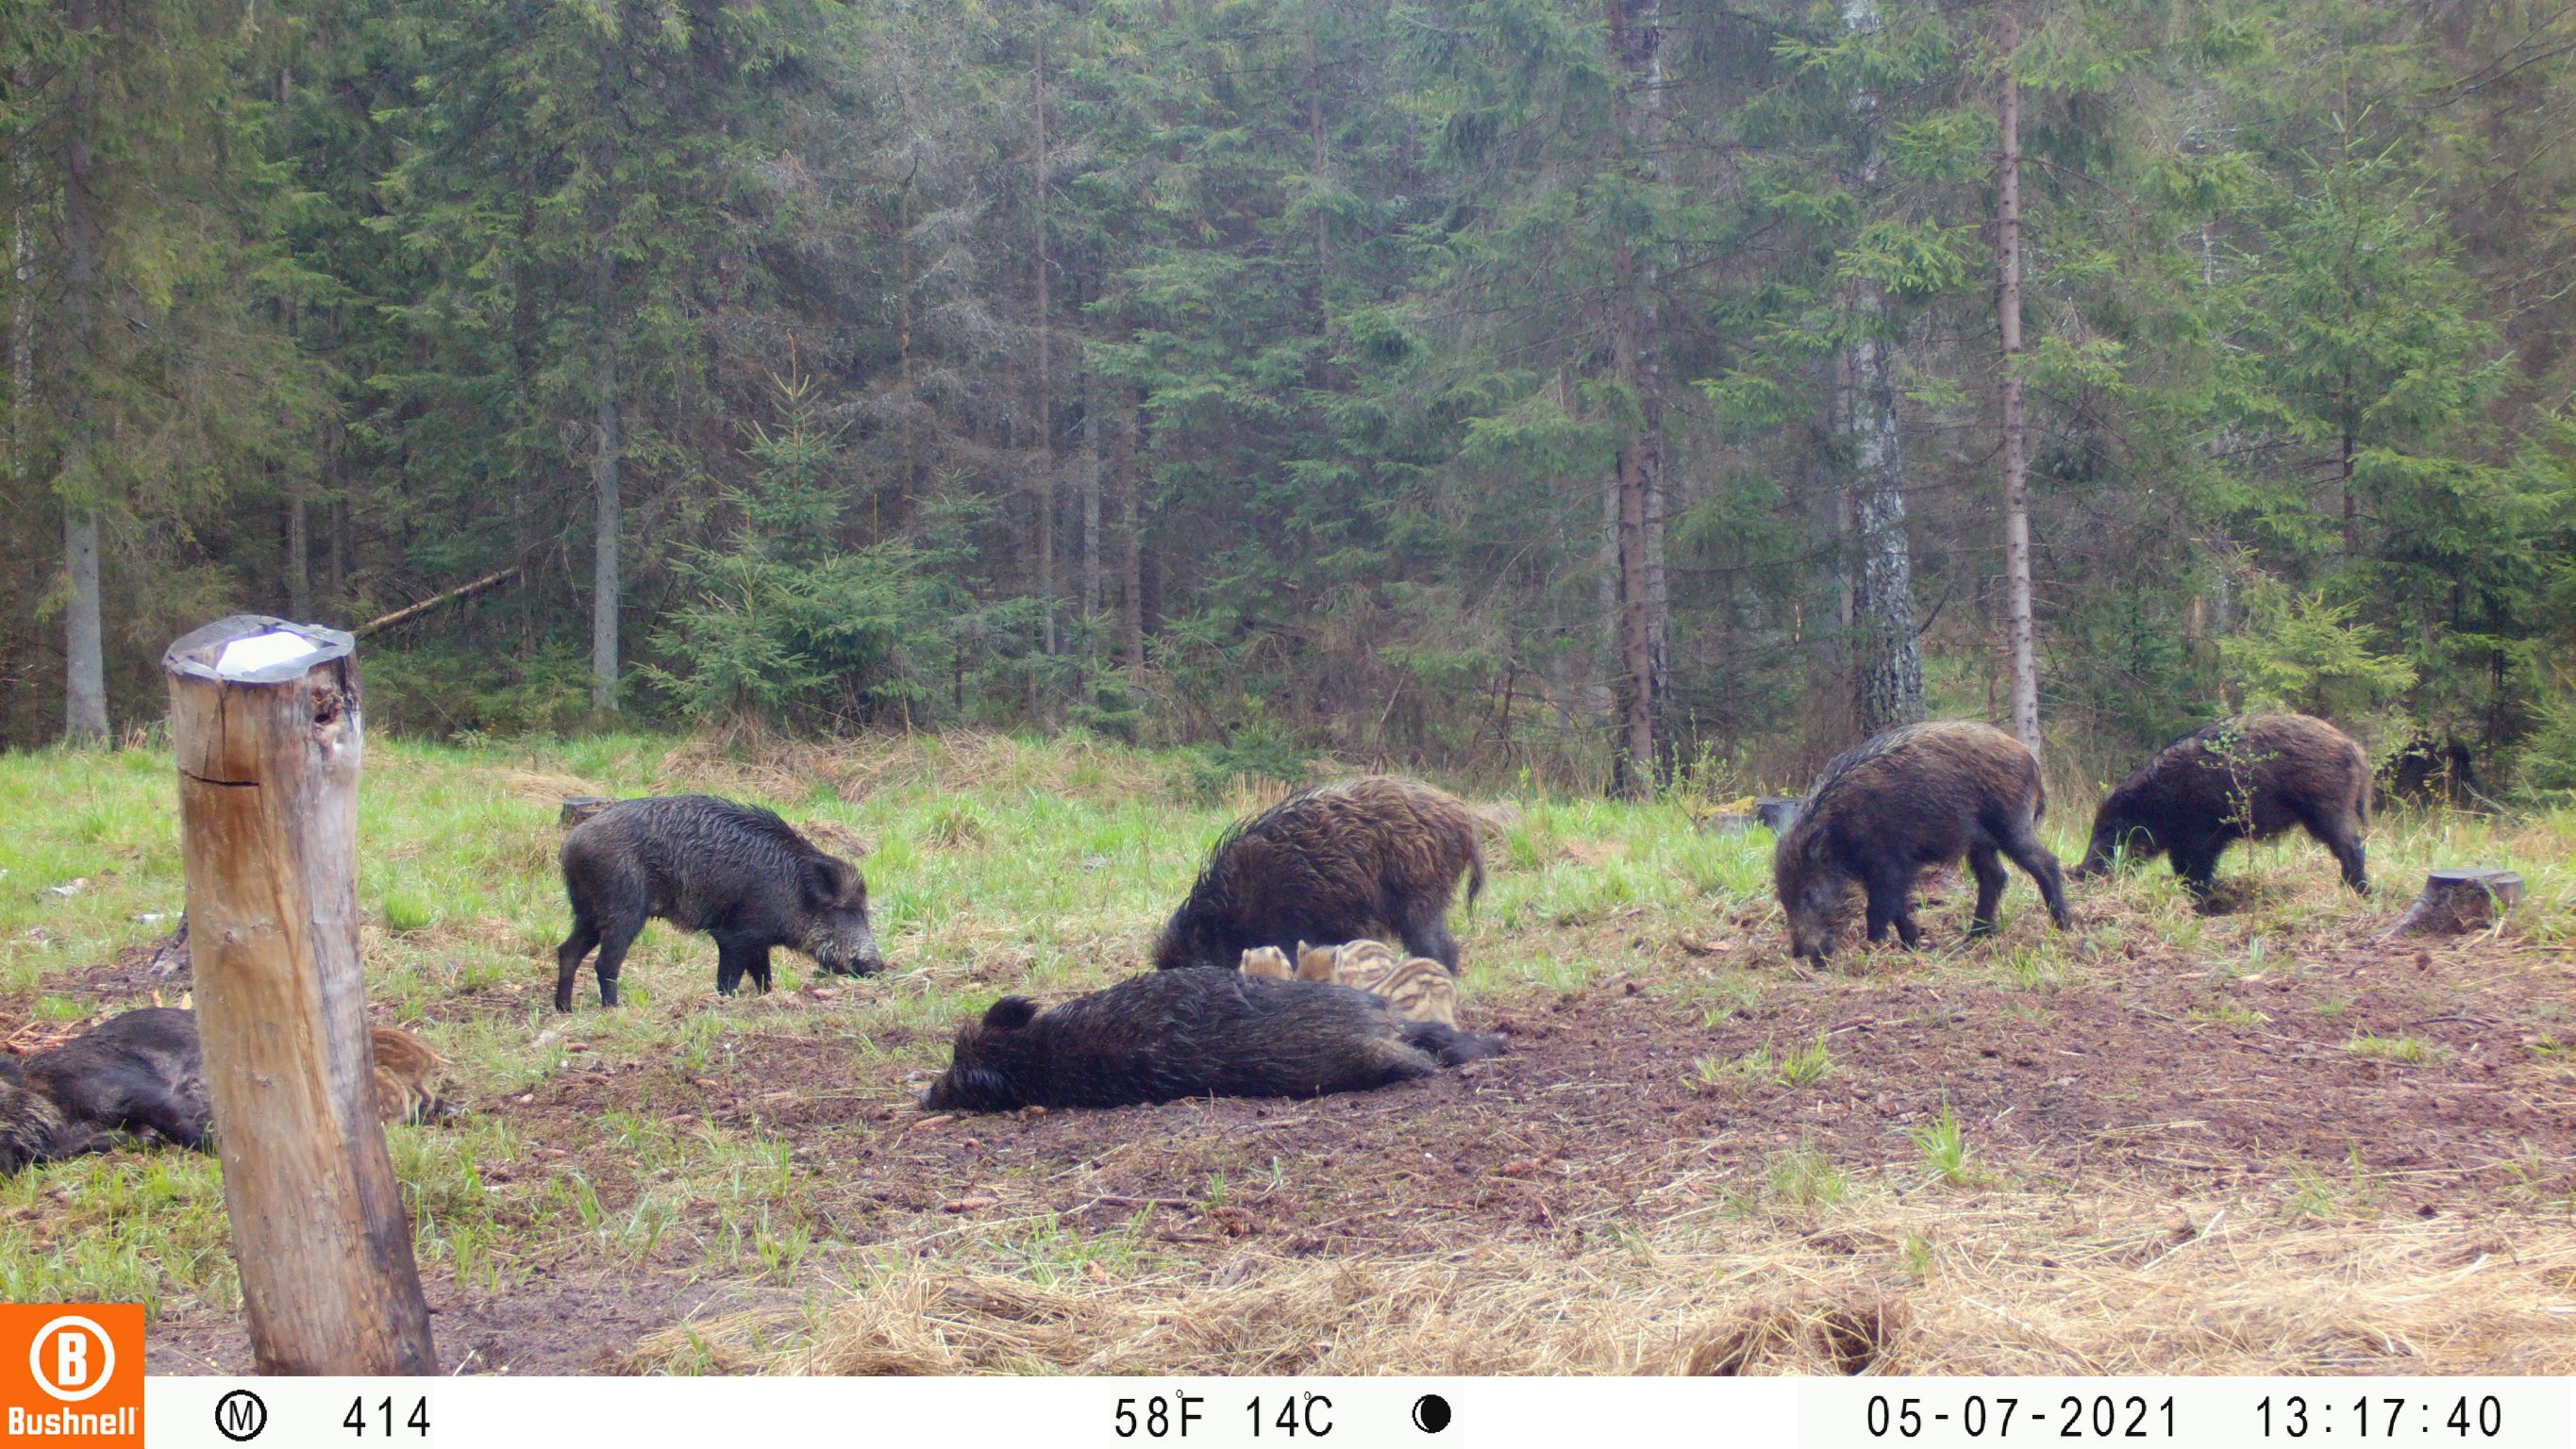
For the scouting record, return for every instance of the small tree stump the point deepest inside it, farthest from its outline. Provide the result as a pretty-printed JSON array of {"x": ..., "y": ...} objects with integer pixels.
[
  {"x": 1779, "y": 811},
  {"x": 581, "y": 807},
  {"x": 265, "y": 722},
  {"x": 2459, "y": 900},
  {"x": 1726, "y": 822}
]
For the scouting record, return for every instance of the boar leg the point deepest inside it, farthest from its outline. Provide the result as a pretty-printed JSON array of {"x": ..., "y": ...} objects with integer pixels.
[
  {"x": 1989, "y": 871},
  {"x": 1430, "y": 938},
  {"x": 568, "y": 957},
  {"x": 616, "y": 936},
  {"x": 2196, "y": 862},
  {"x": 2041, "y": 867},
  {"x": 2339, "y": 837},
  {"x": 736, "y": 959},
  {"x": 1891, "y": 903},
  {"x": 170, "y": 1114}
]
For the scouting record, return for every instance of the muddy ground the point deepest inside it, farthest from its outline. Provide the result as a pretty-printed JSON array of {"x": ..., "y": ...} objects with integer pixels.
[{"x": 2147, "y": 1069}]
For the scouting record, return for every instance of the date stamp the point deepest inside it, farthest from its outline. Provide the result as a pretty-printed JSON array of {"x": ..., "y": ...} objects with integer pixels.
[{"x": 2533, "y": 1412}]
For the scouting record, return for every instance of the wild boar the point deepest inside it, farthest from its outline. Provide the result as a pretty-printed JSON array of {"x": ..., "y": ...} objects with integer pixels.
[
  {"x": 1911, "y": 799},
  {"x": 1172, "y": 1034},
  {"x": 1334, "y": 863},
  {"x": 2246, "y": 778},
  {"x": 734, "y": 872}
]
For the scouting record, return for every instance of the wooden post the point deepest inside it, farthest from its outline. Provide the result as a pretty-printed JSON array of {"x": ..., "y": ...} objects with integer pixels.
[
  {"x": 579, "y": 808},
  {"x": 265, "y": 721},
  {"x": 2459, "y": 900}
]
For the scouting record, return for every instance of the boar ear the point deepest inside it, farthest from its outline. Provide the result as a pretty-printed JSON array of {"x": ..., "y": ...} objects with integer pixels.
[
  {"x": 1010, "y": 1014},
  {"x": 827, "y": 881}
]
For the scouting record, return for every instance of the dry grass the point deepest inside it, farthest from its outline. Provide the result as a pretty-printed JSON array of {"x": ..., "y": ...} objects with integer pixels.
[
  {"x": 2010, "y": 1284},
  {"x": 957, "y": 762},
  {"x": 546, "y": 787}
]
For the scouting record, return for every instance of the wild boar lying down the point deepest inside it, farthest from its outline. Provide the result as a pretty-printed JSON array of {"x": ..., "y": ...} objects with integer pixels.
[
  {"x": 144, "y": 1071},
  {"x": 1172, "y": 1034}
]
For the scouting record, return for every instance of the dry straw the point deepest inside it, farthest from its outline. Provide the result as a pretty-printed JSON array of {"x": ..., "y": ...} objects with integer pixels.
[{"x": 2017, "y": 1285}]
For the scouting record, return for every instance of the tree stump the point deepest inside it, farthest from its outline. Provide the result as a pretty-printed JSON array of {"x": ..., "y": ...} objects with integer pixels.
[
  {"x": 265, "y": 721},
  {"x": 1779, "y": 811},
  {"x": 2459, "y": 900},
  {"x": 581, "y": 807},
  {"x": 1726, "y": 822}
]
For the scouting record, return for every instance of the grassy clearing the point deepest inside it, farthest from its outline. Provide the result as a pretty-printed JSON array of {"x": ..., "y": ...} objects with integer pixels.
[{"x": 997, "y": 865}]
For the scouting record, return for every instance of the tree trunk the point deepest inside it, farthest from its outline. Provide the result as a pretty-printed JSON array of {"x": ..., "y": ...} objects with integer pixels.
[
  {"x": 1087, "y": 469},
  {"x": 1045, "y": 398},
  {"x": 1131, "y": 582},
  {"x": 2351, "y": 505},
  {"x": 22, "y": 296},
  {"x": 84, "y": 246},
  {"x": 605, "y": 589},
  {"x": 1888, "y": 687},
  {"x": 299, "y": 544},
  {"x": 2017, "y": 611},
  {"x": 1636, "y": 34},
  {"x": 1323, "y": 221}
]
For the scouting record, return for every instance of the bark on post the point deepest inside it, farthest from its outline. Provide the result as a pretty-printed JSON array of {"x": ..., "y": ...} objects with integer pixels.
[{"x": 265, "y": 721}]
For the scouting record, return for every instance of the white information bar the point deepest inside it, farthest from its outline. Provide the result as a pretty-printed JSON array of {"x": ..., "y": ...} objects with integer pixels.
[{"x": 1328, "y": 1413}]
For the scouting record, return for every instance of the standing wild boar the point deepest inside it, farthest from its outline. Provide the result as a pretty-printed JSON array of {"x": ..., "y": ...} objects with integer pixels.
[
  {"x": 1172, "y": 1034},
  {"x": 145, "y": 1069},
  {"x": 1913, "y": 798},
  {"x": 739, "y": 874},
  {"x": 1334, "y": 863},
  {"x": 2245, "y": 778}
]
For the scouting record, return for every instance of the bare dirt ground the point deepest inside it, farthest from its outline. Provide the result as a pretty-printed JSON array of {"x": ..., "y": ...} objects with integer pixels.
[{"x": 2175, "y": 1087}]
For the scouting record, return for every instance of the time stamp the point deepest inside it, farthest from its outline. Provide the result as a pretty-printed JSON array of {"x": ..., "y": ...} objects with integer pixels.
[{"x": 2537, "y": 1414}]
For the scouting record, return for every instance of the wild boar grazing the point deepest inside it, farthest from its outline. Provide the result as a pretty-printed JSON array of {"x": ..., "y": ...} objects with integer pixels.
[
  {"x": 1332, "y": 864},
  {"x": 739, "y": 874},
  {"x": 1172, "y": 1034},
  {"x": 2240, "y": 779},
  {"x": 145, "y": 1070},
  {"x": 1913, "y": 798}
]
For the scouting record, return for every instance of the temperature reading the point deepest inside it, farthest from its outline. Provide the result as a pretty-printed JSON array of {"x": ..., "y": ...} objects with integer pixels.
[
  {"x": 1158, "y": 1417},
  {"x": 1296, "y": 1414}
]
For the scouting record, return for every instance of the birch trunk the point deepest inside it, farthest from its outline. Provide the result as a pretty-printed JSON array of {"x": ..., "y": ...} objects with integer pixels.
[
  {"x": 1888, "y": 688},
  {"x": 84, "y": 244},
  {"x": 2022, "y": 654},
  {"x": 605, "y": 587}
]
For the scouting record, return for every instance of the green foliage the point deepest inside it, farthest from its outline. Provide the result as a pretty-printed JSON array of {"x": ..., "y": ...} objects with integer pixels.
[
  {"x": 2303, "y": 653},
  {"x": 785, "y": 627},
  {"x": 1356, "y": 312}
]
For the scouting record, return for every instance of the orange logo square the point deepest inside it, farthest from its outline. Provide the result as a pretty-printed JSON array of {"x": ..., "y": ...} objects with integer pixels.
[{"x": 72, "y": 1373}]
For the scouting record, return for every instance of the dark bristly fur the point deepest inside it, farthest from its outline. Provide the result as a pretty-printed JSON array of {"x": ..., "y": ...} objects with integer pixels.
[
  {"x": 144, "y": 1070},
  {"x": 1336, "y": 863},
  {"x": 739, "y": 874},
  {"x": 1168, "y": 1035},
  {"x": 2239, "y": 779},
  {"x": 33, "y": 1129},
  {"x": 1913, "y": 798}
]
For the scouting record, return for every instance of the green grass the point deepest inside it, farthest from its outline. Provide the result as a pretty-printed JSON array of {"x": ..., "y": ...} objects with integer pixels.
[
  {"x": 1790, "y": 1066},
  {"x": 2404, "y": 1049},
  {"x": 994, "y": 864},
  {"x": 1944, "y": 1145}
]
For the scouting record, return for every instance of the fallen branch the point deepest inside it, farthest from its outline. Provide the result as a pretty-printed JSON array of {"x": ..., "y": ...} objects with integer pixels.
[{"x": 414, "y": 611}]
